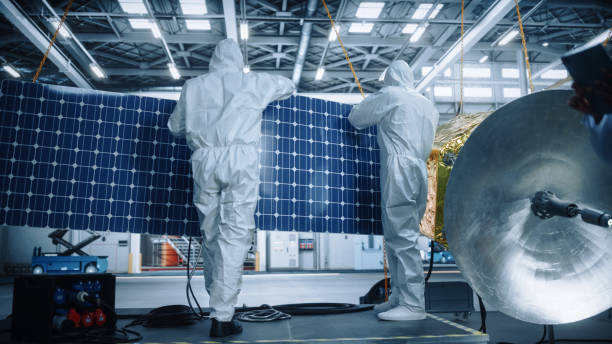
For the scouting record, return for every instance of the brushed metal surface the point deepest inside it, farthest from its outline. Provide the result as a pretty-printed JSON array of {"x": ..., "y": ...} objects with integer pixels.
[{"x": 550, "y": 271}]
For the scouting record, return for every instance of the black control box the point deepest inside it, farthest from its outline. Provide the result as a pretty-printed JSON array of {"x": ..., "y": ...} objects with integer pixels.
[{"x": 45, "y": 305}]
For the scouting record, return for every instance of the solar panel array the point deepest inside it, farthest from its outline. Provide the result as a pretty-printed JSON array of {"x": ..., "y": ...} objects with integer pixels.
[{"x": 82, "y": 159}]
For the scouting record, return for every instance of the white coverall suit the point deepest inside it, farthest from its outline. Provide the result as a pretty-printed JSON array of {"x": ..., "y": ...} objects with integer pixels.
[
  {"x": 406, "y": 123},
  {"x": 219, "y": 114}
]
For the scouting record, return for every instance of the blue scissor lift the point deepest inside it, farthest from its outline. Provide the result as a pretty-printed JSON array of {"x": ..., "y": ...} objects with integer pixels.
[{"x": 64, "y": 262}]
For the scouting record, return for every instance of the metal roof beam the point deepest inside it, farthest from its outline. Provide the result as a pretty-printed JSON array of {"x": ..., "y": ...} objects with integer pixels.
[
  {"x": 25, "y": 25},
  {"x": 229, "y": 13},
  {"x": 491, "y": 17}
]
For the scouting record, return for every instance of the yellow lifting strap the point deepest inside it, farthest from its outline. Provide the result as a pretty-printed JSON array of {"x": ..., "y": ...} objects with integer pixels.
[
  {"x": 348, "y": 59},
  {"x": 461, "y": 64},
  {"x": 59, "y": 26},
  {"x": 346, "y": 56},
  {"x": 520, "y": 21}
]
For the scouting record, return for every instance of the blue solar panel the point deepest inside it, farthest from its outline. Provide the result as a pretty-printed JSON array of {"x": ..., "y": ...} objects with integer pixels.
[{"x": 82, "y": 159}]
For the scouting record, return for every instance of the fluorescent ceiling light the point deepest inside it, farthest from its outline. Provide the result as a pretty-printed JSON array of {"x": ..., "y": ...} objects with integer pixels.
[
  {"x": 332, "y": 35},
  {"x": 369, "y": 9},
  {"x": 510, "y": 73},
  {"x": 410, "y": 28},
  {"x": 478, "y": 92},
  {"x": 195, "y": 7},
  {"x": 12, "y": 71},
  {"x": 477, "y": 72},
  {"x": 510, "y": 36},
  {"x": 198, "y": 24},
  {"x": 512, "y": 92},
  {"x": 361, "y": 27},
  {"x": 97, "y": 71},
  {"x": 545, "y": 44},
  {"x": 155, "y": 30},
  {"x": 173, "y": 71},
  {"x": 246, "y": 69},
  {"x": 554, "y": 74},
  {"x": 436, "y": 11},
  {"x": 381, "y": 78},
  {"x": 140, "y": 24},
  {"x": 64, "y": 31},
  {"x": 417, "y": 34},
  {"x": 244, "y": 31},
  {"x": 133, "y": 6},
  {"x": 320, "y": 72},
  {"x": 443, "y": 91},
  {"x": 483, "y": 59},
  {"x": 421, "y": 11}
]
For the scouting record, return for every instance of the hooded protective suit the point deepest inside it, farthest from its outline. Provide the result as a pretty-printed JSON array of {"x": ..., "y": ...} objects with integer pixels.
[
  {"x": 406, "y": 123},
  {"x": 219, "y": 114}
]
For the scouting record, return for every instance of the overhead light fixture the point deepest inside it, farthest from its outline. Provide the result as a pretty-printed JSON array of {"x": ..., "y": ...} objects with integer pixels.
[
  {"x": 173, "y": 71},
  {"x": 133, "y": 6},
  {"x": 332, "y": 35},
  {"x": 509, "y": 36},
  {"x": 410, "y": 28},
  {"x": 64, "y": 31},
  {"x": 381, "y": 78},
  {"x": 193, "y": 7},
  {"x": 421, "y": 11},
  {"x": 12, "y": 71},
  {"x": 198, "y": 25},
  {"x": 483, "y": 59},
  {"x": 417, "y": 34},
  {"x": 361, "y": 27},
  {"x": 155, "y": 30},
  {"x": 244, "y": 31},
  {"x": 369, "y": 9},
  {"x": 140, "y": 24},
  {"x": 319, "y": 74},
  {"x": 246, "y": 69},
  {"x": 436, "y": 11},
  {"x": 545, "y": 44},
  {"x": 97, "y": 70}
]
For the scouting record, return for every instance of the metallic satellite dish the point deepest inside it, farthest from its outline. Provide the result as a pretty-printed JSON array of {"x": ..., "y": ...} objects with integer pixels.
[{"x": 529, "y": 263}]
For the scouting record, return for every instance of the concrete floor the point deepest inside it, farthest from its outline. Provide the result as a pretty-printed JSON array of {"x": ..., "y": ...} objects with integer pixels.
[{"x": 147, "y": 291}]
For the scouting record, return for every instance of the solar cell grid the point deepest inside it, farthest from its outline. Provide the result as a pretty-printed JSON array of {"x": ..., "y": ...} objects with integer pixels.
[{"x": 81, "y": 159}]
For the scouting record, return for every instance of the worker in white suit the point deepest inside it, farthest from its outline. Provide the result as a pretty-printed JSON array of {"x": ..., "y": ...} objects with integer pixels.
[
  {"x": 406, "y": 123},
  {"x": 219, "y": 114}
]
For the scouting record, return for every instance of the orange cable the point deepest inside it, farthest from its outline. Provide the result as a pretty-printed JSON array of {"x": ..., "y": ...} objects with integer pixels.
[
  {"x": 343, "y": 49},
  {"x": 59, "y": 26},
  {"x": 518, "y": 13}
]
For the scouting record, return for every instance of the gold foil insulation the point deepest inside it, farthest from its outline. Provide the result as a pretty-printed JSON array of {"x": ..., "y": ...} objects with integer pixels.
[{"x": 450, "y": 138}]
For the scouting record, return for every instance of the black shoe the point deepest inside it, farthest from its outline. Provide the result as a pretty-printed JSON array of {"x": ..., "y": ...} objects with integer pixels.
[{"x": 224, "y": 328}]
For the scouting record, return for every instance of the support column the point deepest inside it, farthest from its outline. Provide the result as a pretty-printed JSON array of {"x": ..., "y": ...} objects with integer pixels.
[
  {"x": 522, "y": 71},
  {"x": 135, "y": 257}
]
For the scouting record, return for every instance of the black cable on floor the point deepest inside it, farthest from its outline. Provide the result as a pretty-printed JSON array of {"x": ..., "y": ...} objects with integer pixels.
[
  {"x": 265, "y": 314},
  {"x": 321, "y": 308},
  {"x": 431, "y": 260},
  {"x": 188, "y": 288},
  {"x": 565, "y": 340},
  {"x": 543, "y": 336},
  {"x": 483, "y": 315}
]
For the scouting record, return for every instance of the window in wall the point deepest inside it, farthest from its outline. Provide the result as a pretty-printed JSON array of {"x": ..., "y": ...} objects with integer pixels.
[
  {"x": 443, "y": 91},
  {"x": 512, "y": 92},
  {"x": 477, "y": 72},
  {"x": 427, "y": 69},
  {"x": 510, "y": 73},
  {"x": 554, "y": 74},
  {"x": 478, "y": 92}
]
